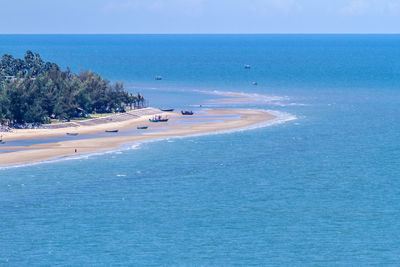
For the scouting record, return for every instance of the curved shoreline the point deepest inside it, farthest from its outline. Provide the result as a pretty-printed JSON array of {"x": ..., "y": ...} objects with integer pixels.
[{"x": 49, "y": 151}]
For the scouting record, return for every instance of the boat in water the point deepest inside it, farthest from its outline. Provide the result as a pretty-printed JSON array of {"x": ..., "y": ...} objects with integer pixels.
[
  {"x": 254, "y": 83},
  {"x": 247, "y": 66},
  {"x": 1, "y": 140},
  {"x": 168, "y": 110},
  {"x": 158, "y": 78},
  {"x": 111, "y": 131},
  {"x": 186, "y": 112},
  {"x": 72, "y": 134},
  {"x": 142, "y": 127}
]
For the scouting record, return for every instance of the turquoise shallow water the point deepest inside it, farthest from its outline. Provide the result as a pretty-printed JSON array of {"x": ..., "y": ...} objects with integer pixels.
[{"x": 323, "y": 189}]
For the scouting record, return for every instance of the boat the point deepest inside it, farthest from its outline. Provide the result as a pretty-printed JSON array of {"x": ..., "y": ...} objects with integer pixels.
[
  {"x": 72, "y": 134},
  {"x": 254, "y": 83},
  {"x": 142, "y": 127},
  {"x": 168, "y": 110},
  {"x": 1, "y": 140},
  {"x": 186, "y": 112},
  {"x": 111, "y": 131},
  {"x": 158, "y": 119},
  {"x": 158, "y": 78},
  {"x": 247, "y": 66}
]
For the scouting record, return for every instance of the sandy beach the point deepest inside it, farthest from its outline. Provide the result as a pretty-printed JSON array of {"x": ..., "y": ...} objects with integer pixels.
[{"x": 214, "y": 120}]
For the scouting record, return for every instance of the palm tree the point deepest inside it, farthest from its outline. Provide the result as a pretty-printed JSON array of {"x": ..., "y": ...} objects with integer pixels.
[
  {"x": 131, "y": 100},
  {"x": 140, "y": 100}
]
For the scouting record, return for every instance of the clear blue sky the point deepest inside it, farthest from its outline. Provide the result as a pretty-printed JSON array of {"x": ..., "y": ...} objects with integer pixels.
[{"x": 200, "y": 16}]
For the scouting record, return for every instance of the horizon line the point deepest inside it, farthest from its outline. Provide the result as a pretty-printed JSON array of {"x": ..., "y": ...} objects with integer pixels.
[{"x": 321, "y": 33}]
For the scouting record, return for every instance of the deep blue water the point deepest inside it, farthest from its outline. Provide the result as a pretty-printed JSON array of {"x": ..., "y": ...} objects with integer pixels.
[{"x": 322, "y": 190}]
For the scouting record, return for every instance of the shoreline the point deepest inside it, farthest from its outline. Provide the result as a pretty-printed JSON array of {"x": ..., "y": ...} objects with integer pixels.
[
  {"x": 63, "y": 149},
  {"x": 23, "y": 134}
]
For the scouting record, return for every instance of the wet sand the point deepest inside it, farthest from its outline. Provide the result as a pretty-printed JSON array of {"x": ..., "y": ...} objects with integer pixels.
[
  {"x": 233, "y": 97},
  {"x": 219, "y": 120}
]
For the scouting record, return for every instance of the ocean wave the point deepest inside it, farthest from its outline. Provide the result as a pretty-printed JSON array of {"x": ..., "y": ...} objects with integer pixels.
[
  {"x": 252, "y": 96},
  {"x": 281, "y": 117},
  {"x": 255, "y": 98},
  {"x": 280, "y": 104}
]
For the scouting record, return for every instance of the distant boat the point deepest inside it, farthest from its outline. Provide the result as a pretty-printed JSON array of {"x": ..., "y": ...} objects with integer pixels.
[
  {"x": 247, "y": 66},
  {"x": 185, "y": 112},
  {"x": 1, "y": 140},
  {"x": 168, "y": 110},
  {"x": 111, "y": 131},
  {"x": 158, "y": 78},
  {"x": 142, "y": 127},
  {"x": 158, "y": 119},
  {"x": 254, "y": 83},
  {"x": 72, "y": 134}
]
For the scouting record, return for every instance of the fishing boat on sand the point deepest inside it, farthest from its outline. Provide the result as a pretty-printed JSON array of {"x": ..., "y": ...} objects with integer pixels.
[
  {"x": 142, "y": 127},
  {"x": 1, "y": 140},
  {"x": 186, "y": 112},
  {"x": 158, "y": 119},
  {"x": 111, "y": 131},
  {"x": 72, "y": 134},
  {"x": 167, "y": 110}
]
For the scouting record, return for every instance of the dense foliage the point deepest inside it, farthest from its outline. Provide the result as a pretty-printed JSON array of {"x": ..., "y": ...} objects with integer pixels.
[{"x": 33, "y": 91}]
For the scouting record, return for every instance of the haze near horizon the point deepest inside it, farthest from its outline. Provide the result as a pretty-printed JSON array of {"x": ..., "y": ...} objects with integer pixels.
[{"x": 199, "y": 16}]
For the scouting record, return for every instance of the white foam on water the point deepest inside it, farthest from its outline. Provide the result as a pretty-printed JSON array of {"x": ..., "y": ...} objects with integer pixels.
[
  {"x": 256, "y": 98},
  {"x": 252, "y": 96},
  {"x": 281, "y": 117},
  {"x": 280, "y": 104}
]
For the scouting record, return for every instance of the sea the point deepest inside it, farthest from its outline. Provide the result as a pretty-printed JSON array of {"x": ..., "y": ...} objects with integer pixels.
[{"x": 319, "y": 186}]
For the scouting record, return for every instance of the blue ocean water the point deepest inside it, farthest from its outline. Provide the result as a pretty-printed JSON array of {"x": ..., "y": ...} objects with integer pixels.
[{"x": 323, "y": 189}]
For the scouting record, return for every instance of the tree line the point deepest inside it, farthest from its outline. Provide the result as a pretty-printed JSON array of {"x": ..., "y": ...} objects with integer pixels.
[{"x": 35, "y": 91}]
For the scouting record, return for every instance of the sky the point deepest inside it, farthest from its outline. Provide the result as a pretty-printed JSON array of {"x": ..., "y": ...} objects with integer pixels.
[{"x": 199, "y": 16}]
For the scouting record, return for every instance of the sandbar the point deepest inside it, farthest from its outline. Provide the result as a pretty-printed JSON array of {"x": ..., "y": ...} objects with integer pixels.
[{"x": 216, "y": 120}]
